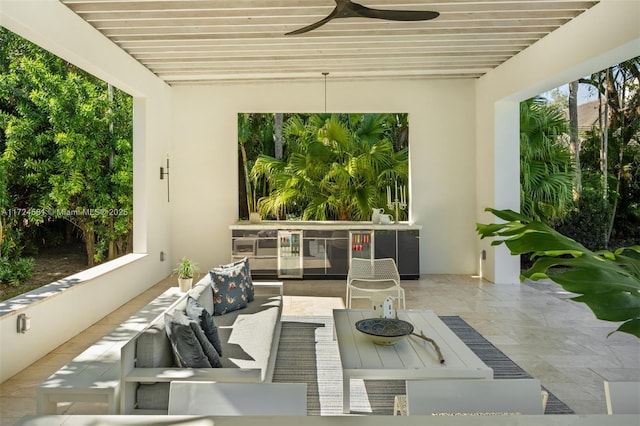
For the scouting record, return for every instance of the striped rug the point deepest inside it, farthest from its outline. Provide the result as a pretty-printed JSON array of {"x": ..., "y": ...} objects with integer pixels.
[{"x": 308, "y": 354}]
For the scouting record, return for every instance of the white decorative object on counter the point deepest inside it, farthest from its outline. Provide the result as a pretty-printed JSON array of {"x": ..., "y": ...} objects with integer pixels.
[
  {"x": 375, "y": 216},
  {"x": 385, "y": 219},
  {"x": 254, "y": 217},
  {"x": 400, "y": 200}
]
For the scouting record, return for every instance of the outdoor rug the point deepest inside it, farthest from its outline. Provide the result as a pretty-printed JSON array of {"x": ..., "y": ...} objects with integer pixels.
[{"x": 308, "y": 354}]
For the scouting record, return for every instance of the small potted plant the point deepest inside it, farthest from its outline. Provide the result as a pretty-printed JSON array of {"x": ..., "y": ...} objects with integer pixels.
[{"x": 185, "y": 270}]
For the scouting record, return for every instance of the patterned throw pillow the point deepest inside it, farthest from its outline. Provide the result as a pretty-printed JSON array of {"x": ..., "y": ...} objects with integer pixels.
[
  {"x": 246, "y": 271},
  {"x": 229, "y": 289},
  {"x": 198, "y": 313},
  {"x": 186, "y": 347}
]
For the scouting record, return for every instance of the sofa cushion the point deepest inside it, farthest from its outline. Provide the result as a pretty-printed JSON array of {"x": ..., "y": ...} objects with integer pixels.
[
  {"x": 153, "y": 349},
  {"x": 153, "y": 396},
  {"x": 186, "y": 346},
  {"x": 248, "y": 335},
  {"x": 229, "y": 289},
  {"x": 202, "y": 291},
  {"x": 246, "y": 272},
  {"x": 198, "y": 313},
  {"x": 248, "y": 342}
]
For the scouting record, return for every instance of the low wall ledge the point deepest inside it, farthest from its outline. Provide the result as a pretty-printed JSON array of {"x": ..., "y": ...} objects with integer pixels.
[{"x": 16, "y": 304}]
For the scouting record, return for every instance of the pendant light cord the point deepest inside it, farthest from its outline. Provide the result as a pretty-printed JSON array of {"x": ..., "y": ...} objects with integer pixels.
[{"x": 325, "y": 90}]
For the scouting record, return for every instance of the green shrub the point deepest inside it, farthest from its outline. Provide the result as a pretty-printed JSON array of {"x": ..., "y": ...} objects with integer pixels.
[
  {"x": 16, "y": 271},
  {"x": 588, "y": 222},
  {"x": 5, "y": 270}
]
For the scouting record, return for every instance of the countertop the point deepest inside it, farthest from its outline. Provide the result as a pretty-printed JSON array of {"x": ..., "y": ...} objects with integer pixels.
[{"x": 319, "y": 225}]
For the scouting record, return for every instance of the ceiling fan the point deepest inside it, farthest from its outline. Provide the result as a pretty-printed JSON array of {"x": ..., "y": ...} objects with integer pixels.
[{"x": 349, "y": 9}]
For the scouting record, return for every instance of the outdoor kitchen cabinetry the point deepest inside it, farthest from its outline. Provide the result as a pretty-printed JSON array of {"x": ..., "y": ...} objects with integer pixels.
[
  {"x": 323, "y": 250},
  {"x": 401, "y": 245},
  {"x": 260, "y": 247},
  {"x": 325, "y": 253},
  {"x": 289, "y": 254}
]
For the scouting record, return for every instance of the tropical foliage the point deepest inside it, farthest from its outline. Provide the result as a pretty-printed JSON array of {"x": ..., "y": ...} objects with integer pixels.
[
  {"x": 586, "y": 183},
  {"x": 610, "y": 162},
  {"x": 255, "y": 137},
  {"x": 546, "y": 169},
  {"x": 334, "y": 166},
  {"x": 607, "y": 282},
  {"x": 66, "y": 153}
]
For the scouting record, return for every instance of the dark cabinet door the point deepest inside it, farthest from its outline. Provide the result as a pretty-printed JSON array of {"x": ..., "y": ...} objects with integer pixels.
[
  {"x": 385, "y": 244},
  {"x": 338, "y": 254},
  {"x": 409, "y": 254}
]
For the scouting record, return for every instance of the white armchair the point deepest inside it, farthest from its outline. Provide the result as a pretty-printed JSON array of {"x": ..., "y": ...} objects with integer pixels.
[{"x": 369, "y": 277}]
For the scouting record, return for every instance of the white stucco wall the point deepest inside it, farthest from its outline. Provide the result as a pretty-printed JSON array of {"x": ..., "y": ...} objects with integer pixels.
[
  {"x": 56, "y": 319},
  {"x": 607, "y": 34},
  {"x": 441, "y": 123}
]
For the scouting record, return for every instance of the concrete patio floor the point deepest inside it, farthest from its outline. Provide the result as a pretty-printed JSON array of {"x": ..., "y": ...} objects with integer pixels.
[{"x": 555, "y": 340}]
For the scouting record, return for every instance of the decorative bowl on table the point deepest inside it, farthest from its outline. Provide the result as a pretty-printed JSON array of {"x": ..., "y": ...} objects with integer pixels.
[{"x": 384, "y": 331}]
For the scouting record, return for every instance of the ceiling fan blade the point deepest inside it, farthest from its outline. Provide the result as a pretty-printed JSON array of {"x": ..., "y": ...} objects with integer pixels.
[
  {"x": 397, "y": 15},
  {"x": 314, "y": 25},
  {"x": 349, "y": 9}
]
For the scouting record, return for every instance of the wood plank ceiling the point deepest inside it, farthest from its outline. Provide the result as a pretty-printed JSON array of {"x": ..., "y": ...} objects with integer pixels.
[{"x": 192, "y": 41}]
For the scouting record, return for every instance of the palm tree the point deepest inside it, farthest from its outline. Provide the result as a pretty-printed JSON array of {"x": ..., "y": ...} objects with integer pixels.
[
  {"x": 336, "y": 167},
  {"x": 617, "y": 135},
  {"x": 255, "y": 134},
  {"x": 546, "y": 168}
]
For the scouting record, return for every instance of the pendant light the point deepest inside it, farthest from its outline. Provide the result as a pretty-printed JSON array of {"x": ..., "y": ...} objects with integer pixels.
[
  {"x": 325, "y": 74},
  {"x": 325, "y": 139}
]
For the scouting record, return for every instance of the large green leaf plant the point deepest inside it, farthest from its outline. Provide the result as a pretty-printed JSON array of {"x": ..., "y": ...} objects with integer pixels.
[{"x": 607, "y": 282}]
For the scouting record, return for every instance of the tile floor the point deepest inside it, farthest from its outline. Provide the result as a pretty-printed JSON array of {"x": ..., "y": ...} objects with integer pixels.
[{"x": 554, "y": 339}]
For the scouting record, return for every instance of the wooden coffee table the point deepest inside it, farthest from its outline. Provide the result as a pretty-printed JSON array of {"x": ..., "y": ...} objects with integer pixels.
[{"x": 410, "y": 358}]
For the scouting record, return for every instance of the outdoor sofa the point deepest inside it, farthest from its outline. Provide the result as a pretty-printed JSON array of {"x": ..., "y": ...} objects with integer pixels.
[{"x": 248, "y": 332}]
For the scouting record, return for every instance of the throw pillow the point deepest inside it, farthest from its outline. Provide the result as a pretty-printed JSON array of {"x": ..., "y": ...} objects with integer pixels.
[
  {"x": 209, "y": 351},
  {"x": 246, "y": 272},
  {"x": 186, "y": 347},
  {"x": 229, "y": 292},
  {"x": 197, "y": 312}
]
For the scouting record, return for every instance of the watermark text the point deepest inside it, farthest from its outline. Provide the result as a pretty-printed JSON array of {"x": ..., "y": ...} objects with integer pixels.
[{"x": 40, "y": 212}]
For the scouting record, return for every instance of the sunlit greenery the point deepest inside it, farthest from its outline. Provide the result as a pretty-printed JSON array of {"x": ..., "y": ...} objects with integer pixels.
[
  {"x": 333, "y": 167},
  {"x": 607, "y": 211},
  {"x": 546, "y": 172},
  {"x": 65, "y": 154},
  {"x": 590, "y": 190}
]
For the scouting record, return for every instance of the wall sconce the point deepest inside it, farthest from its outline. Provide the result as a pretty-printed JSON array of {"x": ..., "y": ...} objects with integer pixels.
[
  {"x": 165, "y": 172},
  {"x": 24, "y": 323}
]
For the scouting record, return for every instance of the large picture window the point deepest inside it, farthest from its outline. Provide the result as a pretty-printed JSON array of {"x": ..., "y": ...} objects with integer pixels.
[
  {"x": 326, "y": 166},
  {"x": 66, "y": 168}
]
